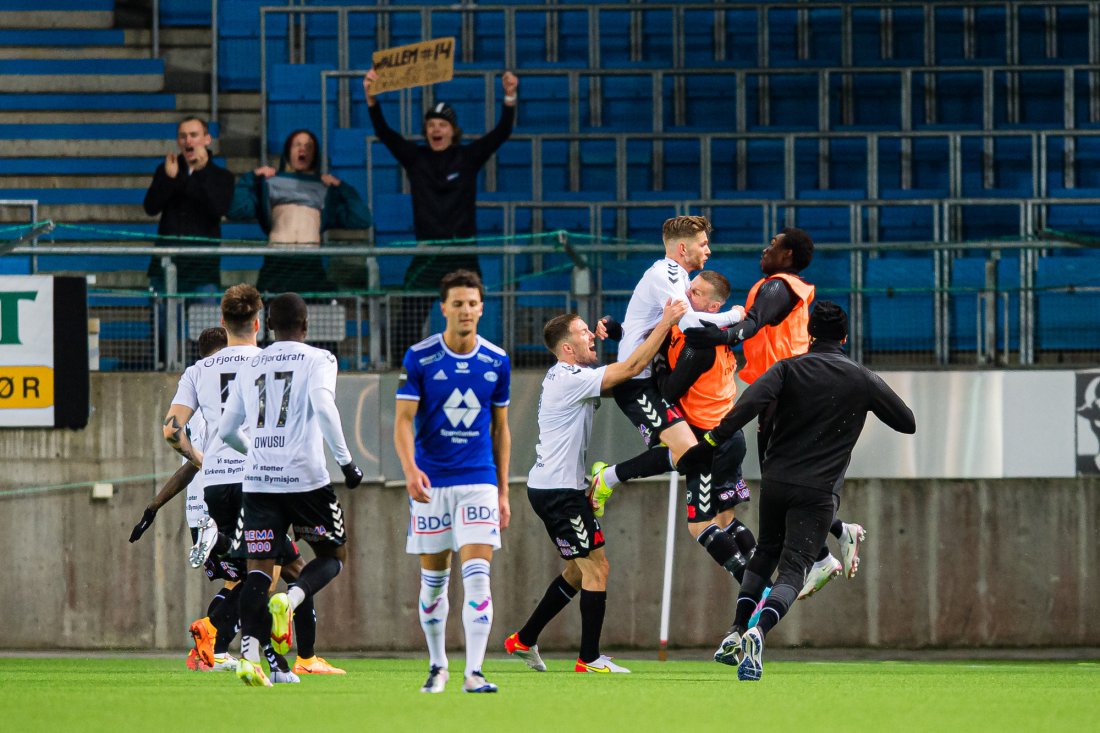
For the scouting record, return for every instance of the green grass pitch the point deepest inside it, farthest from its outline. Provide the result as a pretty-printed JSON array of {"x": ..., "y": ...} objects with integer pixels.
[{"x": 158, "y": 695}]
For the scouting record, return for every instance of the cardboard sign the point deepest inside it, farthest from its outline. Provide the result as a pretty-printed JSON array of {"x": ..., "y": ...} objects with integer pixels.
[{"x": 414, "y": 65}]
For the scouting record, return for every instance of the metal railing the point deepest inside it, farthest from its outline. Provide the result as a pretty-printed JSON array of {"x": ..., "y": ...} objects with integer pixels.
[{"x": 974, "y": 303}]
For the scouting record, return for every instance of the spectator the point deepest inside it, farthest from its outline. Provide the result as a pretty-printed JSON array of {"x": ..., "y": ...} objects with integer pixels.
[
  {"x": 294, "y": 205},
  {"x": 191, "y": 194},
  {"x": 443, "y": 179}
]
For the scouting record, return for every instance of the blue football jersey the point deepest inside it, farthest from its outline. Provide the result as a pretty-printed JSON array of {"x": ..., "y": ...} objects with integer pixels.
[{"x": 456, "y": 392}]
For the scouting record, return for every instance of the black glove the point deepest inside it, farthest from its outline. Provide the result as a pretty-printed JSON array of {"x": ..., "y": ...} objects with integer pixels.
[
  {"x": 352, "y": 475},
  {"x": 614, "y": 328},
  {"x": 698, "y": 457},
  {"x": 146, "y": 521},
  {"x": 705, "y": 337}
]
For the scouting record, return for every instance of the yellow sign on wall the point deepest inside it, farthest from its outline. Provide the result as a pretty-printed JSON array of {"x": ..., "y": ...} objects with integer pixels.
[{"x": 26, "y": 387}]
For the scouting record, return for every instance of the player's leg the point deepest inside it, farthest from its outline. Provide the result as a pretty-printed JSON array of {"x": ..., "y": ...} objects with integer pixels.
[
  {"x": 594, "y": 573},
  {"x": 263, "y": 531},
  {"x": 431, "y": 537},
  {"x": 476, "y": 534},
  {"x": 305, "y": 623},
  {"x": 605, "y": 478},
  {"x": 553, "y": 507},
  {"x": 656, "y": 420}
]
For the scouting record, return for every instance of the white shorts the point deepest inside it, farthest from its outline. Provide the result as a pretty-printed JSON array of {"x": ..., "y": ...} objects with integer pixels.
[
  {"x": 196, "y": 505},
  {"x": 454, "y": 516}
]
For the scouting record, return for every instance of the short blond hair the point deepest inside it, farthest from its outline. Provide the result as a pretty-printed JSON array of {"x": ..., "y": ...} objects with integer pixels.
[{"x": 685, "y": 226}]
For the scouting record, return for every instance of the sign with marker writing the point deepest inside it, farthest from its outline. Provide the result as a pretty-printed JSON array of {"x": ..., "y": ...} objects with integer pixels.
[{"x": 414, "y": 65}]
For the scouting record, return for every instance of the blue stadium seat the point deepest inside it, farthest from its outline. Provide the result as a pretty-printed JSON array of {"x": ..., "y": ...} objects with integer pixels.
[
  {"x": 793, "y": 101},
  {"x": 625, "y": 104},
  {"x": 967, "y": 280},
  {"x": 514, "y": 169},
  {"x": 615, "y": 26},
  {"x": 1067, "y": 319},
  {"x": 682, "y": 166},
  {"x": 709, "y": 103},
  {"x": 1042, "y": 100},
  {"x": 489, "y": 49},
  {"x": 958, "y": 96},
  {"x": 989, "y": 35},
  {"x": 1012, "y": 174},
  {"x": 876, "y": 102},
  {"x": 1075, "y": 218},
  {"x": 185, "y": 13},
  {"x": 545, "y": 105},
  {"x": 393, "y": 220},
  {"x": 598, "y": 167},
  {"x": 239, "y": 43},
  {"x": 739, "y": 224},
  {"x": 898, "y": 313},
  {"x": 929, "y": 164},
  {"x": 990, "y": 221},
  {"x": 68, "y": 37},
  {"x": 294, "y": 102}
]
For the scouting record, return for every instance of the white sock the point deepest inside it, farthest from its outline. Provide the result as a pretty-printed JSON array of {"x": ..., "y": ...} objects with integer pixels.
[
  {"x": 250, "y": 649},
  {"x": 433, "y": 607},
  {"x": 477, "y": 612},
  {"x": 610, "y": 477},
  {"x": 296, "y": 596}
]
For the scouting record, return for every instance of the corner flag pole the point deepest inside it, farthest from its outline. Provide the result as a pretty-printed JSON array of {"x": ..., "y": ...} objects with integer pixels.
[{"x": 670, "y": 543}]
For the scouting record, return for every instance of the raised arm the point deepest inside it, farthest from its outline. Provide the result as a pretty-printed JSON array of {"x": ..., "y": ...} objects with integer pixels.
[
  {"x": 403, "y": 150},
  {"x": 175, "y": 433},
  {"x": 621, "y": 371}
]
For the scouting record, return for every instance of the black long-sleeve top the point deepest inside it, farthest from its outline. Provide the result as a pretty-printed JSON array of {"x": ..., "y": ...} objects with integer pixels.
[
  {"x": 819, "y": 402},
  {"x": 190, "y": 205}
]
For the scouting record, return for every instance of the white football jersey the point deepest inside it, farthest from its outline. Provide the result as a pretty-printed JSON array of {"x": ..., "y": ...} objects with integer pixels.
[
  {"x": 204, "y": 387},
  {"x": 195, "y": 508},
  {"x": 570, "y": 396},
  {"x": 285, "y": 444},
  {"x": 663, "y": 280}
]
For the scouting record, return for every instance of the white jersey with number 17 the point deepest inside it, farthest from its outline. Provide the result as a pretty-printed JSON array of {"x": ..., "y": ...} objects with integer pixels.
[{"x": 274, "y": 394}]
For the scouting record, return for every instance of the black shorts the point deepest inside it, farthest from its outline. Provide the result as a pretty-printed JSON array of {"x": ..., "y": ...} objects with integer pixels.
[
  {"x": 724, "y": 488},
  {"x": 569, "y": 520},
  {"x": 316, "y": 517},
  {"x": 643, "y": 405},
  {"x": 223, "y": 504}
]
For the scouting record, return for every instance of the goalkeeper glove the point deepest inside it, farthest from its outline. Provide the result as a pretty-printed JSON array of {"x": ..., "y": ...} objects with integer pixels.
[
  {"x": 614, "y": 328},
  {"x": 352, "y": 475},
  {"x": 146, "y": 521}
]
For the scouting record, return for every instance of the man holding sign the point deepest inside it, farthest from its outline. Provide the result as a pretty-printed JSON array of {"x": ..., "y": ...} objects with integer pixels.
[{"x": 443, "y": 180}]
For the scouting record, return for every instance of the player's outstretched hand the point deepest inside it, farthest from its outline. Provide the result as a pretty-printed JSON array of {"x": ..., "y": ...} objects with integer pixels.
[
  {"x": 146, "y": 522},
  {"x": 705, "y": 337},
  {"x": 352, "y": 475},
  {"x": 696, "y": 458},
  {"x": 608, "y": 328}
]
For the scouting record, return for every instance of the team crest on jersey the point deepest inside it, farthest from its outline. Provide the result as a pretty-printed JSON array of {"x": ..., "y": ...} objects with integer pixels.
[
  {"x": 462, "y": 408},
  {"x": 491, "y": 376}
]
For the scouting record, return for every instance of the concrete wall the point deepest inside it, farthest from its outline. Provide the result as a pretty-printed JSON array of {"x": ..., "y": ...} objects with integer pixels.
[{"x": 1008, "y": 562}]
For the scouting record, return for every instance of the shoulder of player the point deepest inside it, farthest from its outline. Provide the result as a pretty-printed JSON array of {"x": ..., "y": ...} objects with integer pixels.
[{"x": 487, "y": 345}]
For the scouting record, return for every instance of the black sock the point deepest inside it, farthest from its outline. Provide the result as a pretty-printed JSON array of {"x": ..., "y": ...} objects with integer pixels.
[
  {"x": 255, "y": 618},
  {"x": 824, "y": 553},
  {"x": 318, "y": 573},
  {"x": 226, "y": 617},
  {"x": 221, "y": 545},
  {"x": 837, "y": 528},
  {"x": 653, "y": 462},
  {"x": 744, "y": 610},
  {"x": 558, "y": 595},
  {"x": 593, "y": 605},
  {"x": 776, "y": 607},
  {"x": 746, "y": 542},
  {"x": 216, "y": 601},
  {"x": 723, "y": 548},
  {"x": 275, "y": 660},
  {"x": 305, "y": 628}
]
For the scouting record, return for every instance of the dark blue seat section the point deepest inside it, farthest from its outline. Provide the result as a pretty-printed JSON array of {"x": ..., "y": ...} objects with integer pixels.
[
  {"x": 831, "y": 274},
  {"x": 928, "y": 164},
  {"x": 989, "y": 35},
  {"x": 792, "y": 101},
  {"x": 239, "y": 43},
  {"x": 348, "y": 159},
  {"x": 876, "y": 102},
  {"x": 824, "y": 41},
  {"x": 62, "y": 37},
  {"x": 1075, "y": 217},
  {"x": 900, "y": 222},
  {"x": 105, "y": 196},
  {"x": 742, "y": 269},
  {"x": 990, "y": 221},
  {"x": 40, "y": 5},
  {"x": 625, "y": 102},
  {"x": 615, "y": 37},
  {"x": 1012, "y": 168},
  {"x": 185, "y": 12},
  {"x": 294, "y": 101},
  {"x": 907, "y": 37},
  {"x": 1067, "y": 316},
  {"x": 958, "y": 96},
  {"x": 827, "y": 223},
  {"x": 1086, "y": 163},
  {"x": 709, "y": 103},
  {"x": 745, "y": 224},
  {"x": 515, "y": 168},
  {"x": 95, "y": 131},
  {"x": 83, "y": 166},
  {"x": 739, "y": 37},
  {"x": 898, "y": 310},
  {"x": 1042, "y": 103},
  {"x": 80, "y": 67},
  {"x": 1071, "y": 27},
  {"x": 763, "y": 169},
  {"x": 1082, "y": 94},
  {"x": 545, "y": 105},
  {"x": 88, "y": 102},
  {"x": 967, "y": 280}
]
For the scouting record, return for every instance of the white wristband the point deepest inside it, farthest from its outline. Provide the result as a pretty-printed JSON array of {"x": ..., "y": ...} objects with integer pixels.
[{"x": 509, "y": 98}]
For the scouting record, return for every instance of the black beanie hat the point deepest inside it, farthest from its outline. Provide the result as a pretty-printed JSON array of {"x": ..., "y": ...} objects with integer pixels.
[
  {"x": 828, "y": 321},
  {"x": 442, "y": 111}
]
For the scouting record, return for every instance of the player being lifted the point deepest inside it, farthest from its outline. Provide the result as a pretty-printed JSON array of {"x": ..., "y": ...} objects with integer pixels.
[
  {"x": 687, "y": 248},
  {"x": 285, "y": 396},
  {"x": 451, "y": 434},
  {"x": 556, "y": 484}
]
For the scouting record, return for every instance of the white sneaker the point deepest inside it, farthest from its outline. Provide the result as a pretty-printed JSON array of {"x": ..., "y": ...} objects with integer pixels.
[
  {"x": 225, "y": 663},
  {"x": 204, "y": 545},
  {"x": 603, "y": 665},
  {"x": 279, "y": 677},
  {"x": 476, "y": 682},
  {"x": 437, "y": 680},
  {"x": 729, "y": 651},
  {"x": 850, "y": 538},
  {"x": 821, "y": 573}
]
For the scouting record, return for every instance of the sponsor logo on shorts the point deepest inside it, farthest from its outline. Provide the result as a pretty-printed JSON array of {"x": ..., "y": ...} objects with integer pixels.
[
  {"x": 566, "y": 549},
  {"x": 691, "y": 511},
  {"x": 480, "y": 515},
  {"x": 317, "y": 531},
  {"x": 432, "y": 525},
  {"x": 258, "y": 540},
  {"x": 739, "y": 491}
]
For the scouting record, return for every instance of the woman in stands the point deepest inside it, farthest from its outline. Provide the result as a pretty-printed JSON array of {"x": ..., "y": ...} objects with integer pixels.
[{"x": 294, "y": 205}]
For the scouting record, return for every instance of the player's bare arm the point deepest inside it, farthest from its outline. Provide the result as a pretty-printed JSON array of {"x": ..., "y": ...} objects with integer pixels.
[
  {"x": 174, "y": 485},
  {"x": 502, "y": 450},
  {"x": 621, "y": 371},
  {"x": 416, "y": 481},
  {"x": 175, "y": 433}
]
